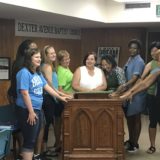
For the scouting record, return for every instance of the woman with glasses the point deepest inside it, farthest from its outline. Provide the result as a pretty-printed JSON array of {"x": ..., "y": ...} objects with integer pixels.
[{"x": 64, "y": 73}]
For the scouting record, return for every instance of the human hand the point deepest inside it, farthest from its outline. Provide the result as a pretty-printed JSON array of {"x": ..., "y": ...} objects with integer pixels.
[
  {"x": 113, "y": 95},
  {"x": 65, "y": 99},
  {"x": 127, "y": 96},
  {"x": 69, "y": 96},
  {"x": 32, "y": 117}
]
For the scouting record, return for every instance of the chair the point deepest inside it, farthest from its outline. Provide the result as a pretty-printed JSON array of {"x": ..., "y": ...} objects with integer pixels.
[
  {"x": 8, "y": 117},
  {"x": 5, "y": 137}
]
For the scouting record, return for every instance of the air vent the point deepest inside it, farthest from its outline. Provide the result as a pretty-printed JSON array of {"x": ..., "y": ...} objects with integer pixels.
[{"x": 137, "y": 5}]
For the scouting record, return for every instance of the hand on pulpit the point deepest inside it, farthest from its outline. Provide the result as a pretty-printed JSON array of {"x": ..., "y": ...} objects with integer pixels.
[
  {"x": 69, "y": 96},
  {"x": 127, "y": 96},
  {"x": 113, "y": 95},
  {"x": 120, "y": 90}
]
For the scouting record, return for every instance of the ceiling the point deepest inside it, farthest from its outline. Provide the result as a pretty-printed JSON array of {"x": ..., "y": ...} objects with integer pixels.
[{"x": 36, "y": 16}]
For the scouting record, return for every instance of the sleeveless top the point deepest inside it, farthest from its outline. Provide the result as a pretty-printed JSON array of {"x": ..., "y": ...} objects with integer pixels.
[
  {"x": 157, "y": 92},
  {"x": 153, "y": 88},
  {"x": 55, "y": 79},
  {"x": 88, "y": 81}
]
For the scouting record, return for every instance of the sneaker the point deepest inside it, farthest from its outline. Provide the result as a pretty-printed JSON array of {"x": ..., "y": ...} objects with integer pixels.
[
  {"x": 40, "y": 157},
  {"x": 19, "y": 157},
  {"x": 127, "y": 144},
  {"x": 133, "y": 148},
  {"x": 50, "y": 153},
  {"x": 137, "y": 146},
  {"x": 55, "y": 149}
]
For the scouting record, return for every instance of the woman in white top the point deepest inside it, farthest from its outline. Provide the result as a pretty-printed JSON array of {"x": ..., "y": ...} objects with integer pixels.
[{"x": 89, "y": 78}]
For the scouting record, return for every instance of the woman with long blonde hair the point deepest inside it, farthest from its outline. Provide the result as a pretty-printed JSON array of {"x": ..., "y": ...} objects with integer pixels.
[{"x": 51, "y": 106}]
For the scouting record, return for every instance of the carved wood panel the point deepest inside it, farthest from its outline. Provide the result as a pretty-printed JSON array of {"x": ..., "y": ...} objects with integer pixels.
[{"x": 93, "y": 129}]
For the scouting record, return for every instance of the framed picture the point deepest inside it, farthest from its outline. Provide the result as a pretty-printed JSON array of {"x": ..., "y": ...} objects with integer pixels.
[
  {"x": 4, "y": 68},
  {"x": 102, "y": 51}
]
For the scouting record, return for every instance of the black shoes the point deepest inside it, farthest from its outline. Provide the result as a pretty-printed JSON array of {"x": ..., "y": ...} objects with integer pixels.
[
  {"x": 19, "y": 157},
  {"x": 50, "y": 153},
  {"x": 40, "y": 157},
  {"x": 131, "y": 148}
]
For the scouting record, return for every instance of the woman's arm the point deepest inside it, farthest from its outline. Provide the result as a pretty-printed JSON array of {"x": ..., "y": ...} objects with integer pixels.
[
  {"x": 132, "y": 81},
  {"x": 146, "y": 71},
  {"x": 53, "y": 93},
  {"x": 144, "y": 84},
  {"x": 124, "y": 87},
  {"x": 32, "y": 116},
  {"x": 64, "y": 94},
  {"x": 47, "y": 73},
  {"x": 144, "y": 74},
  {"x": 138, "y": 84},
  {"x": 147, "y": 82},
  {"x": 128, "y": 84}
]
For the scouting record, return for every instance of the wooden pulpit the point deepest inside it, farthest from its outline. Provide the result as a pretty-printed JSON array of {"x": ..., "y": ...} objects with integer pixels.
[{"x": 93, "y": 128}]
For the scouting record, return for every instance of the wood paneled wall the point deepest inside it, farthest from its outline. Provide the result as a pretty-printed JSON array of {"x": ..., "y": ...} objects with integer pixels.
[
  {"x": 117, "y": 37},
  {"x": 7, "y": 38},
  {"x": 91, "y": 39},
  {"x": 72, "y": 46},
  {"x": 6, "y": 50},
  {"x": 4, "y": 85}
]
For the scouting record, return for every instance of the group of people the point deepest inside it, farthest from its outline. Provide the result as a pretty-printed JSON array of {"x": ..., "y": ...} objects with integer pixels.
[
  {"x": 140, "y": 91},
  {"x": 34, "y": 85},
  {"x": 43, "y": 81},
  {"x": 149, "y": 82}
]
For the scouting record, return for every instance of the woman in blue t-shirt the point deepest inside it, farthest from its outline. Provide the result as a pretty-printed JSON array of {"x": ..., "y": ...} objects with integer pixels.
[{"x": 30, "y": 84}]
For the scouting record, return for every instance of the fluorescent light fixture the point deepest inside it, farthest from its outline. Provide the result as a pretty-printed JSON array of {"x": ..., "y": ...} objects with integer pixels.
[{"x": 133, "y": 1}]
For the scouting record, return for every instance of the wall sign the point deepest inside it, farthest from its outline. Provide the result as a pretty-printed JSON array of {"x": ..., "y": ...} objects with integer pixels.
[
  {"x": 158, "y": 10},
  {"x": 4, "y": 68},
  {"x": 44, "y": 30},
  {"x": 114, "y": 51}
]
